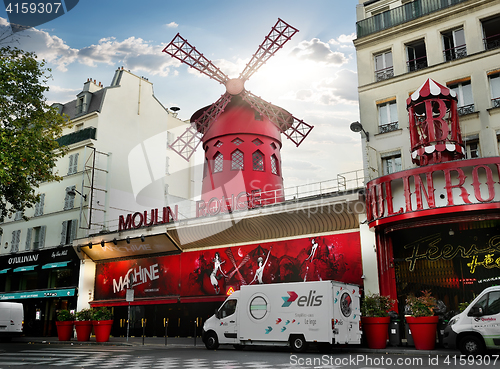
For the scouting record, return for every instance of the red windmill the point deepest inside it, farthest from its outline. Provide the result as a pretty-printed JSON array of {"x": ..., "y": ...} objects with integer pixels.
[{"x": 240, "y": 131}]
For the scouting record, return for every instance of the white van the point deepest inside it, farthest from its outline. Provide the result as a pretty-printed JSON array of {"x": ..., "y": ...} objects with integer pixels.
[
  {"x": 477, "y": 328},
  {"x": 287, "y": 314},
  {"x": 11, "y": 319}
]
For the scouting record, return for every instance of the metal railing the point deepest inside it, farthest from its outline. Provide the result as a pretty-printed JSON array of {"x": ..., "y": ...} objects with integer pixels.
[
  {"x": 417, "y": 64},
  {"x": 495, "y": 102},
  {"x": 389, "y": 127},
  {"x": 491, "y": 42},
  {"x": 383, "y": 74},
  {"x": 455, "y": 53},
  {"x": 466, "y": 109},
  {"x": 402, "y": 14}
]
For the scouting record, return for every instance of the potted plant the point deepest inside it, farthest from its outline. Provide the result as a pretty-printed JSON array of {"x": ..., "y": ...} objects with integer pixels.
[
  {"x": 422, "y": 322},
  {"x": 375, "y": 319},
  {"x": 83, "y": 324},
  {"x": 102, "y": 320},
  {"x": 64, "y": 324}
]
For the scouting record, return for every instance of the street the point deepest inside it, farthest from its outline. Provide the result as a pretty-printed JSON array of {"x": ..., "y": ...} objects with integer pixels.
[{"x": 24, "y": 355}]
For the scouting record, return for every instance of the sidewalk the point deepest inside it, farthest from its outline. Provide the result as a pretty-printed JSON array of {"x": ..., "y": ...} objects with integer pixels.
[{"x": 189, "y": 342}]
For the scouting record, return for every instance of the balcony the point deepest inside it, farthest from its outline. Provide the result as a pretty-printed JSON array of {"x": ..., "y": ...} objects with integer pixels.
[
  {"x": 495, "y": 102},
  {"x": 465, "y": 110},
  {"x": 455, "y": 53},
  {"x": 78, "y": 136},
  {"x": 389, "y": 127},
  {"x": 491, "y": 42},
  {"x": 402, "y": 14},
  {"x": 383, "y": 74}
]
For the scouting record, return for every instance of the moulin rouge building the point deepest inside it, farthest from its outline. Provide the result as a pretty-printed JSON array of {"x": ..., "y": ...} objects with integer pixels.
[{"x": 437, "y": 225}]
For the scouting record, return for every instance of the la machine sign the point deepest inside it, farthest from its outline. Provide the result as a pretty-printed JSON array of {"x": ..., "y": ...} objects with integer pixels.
[{"x": 460, "y": 185}]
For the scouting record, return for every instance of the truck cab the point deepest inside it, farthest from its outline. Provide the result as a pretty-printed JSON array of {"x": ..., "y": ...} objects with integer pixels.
[{"x": 477, "y": 328}]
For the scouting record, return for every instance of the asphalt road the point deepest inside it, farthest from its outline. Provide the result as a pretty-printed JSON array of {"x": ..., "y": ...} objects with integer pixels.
[{"x": 24, "y": 355}]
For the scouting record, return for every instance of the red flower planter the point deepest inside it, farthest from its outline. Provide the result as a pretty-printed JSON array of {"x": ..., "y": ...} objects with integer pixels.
[
  {"x": 83, "y": 330},
  {"x": 423, "y": 330},
  {"x": 102, "y": 329},
  {"x": 376, "y": 331},
  {"x": 64, "y": 330}
]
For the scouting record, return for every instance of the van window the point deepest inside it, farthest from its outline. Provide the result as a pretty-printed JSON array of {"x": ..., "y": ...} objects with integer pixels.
[
  {"x": 493, "y": 303},
  {"x": 228, "y": 308}
]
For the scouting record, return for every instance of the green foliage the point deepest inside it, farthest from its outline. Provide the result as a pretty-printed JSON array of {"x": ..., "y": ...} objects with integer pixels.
[
  {"x": 423, "y": 305},
  {"x": 65, "y": 316},
  {"x": 463, "y": 305},
  {"x": 102, "y": 313},
  {"x": 84, "y": 315},
  {"x": 28, "y": 130},
  {"x": 376, "y": 305}
]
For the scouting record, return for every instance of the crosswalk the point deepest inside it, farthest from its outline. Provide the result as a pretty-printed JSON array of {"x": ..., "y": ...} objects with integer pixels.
[{"x": 117, "y": 357}]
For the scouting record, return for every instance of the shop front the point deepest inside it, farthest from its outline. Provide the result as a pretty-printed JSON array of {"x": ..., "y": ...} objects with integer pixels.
[{"x": 44, "y": 281}]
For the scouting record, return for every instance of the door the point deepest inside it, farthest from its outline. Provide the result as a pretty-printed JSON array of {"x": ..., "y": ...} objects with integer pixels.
[{"x": 228, "y": 322}]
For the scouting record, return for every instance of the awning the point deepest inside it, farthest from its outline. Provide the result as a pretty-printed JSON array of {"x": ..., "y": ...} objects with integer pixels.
[
  {"x": 3, "y": 271},
  {"x": 25, "y": 268},
  {"x": 55, "y": 265},
  {"x": 66, "y": 292}
]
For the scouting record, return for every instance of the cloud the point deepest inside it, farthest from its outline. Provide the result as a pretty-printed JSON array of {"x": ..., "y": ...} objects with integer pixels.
[
  {"x": 343, "y": 39},
  {"x": 172, "y": 25},
  {"x": 318, "y": 51}
]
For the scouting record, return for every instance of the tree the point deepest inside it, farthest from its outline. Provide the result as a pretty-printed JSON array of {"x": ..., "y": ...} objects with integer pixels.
[{"x": 29, "y": 128}]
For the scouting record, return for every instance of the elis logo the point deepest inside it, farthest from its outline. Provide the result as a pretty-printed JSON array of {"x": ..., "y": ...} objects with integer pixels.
[{"x": 302, "y": 301}]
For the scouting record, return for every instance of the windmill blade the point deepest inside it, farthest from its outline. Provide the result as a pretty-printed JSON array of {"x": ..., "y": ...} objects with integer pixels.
[
  {"x": 294, "y": 129},
  {"x": 279, "y": 35},
  {"x": 185, "y": 145},
  {"x": 180, "y": 49}
]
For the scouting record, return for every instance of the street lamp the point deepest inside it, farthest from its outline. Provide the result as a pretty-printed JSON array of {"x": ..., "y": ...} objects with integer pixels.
[
  {"x": 358, "y": 127},
  {"x": 74, "y": 191}
]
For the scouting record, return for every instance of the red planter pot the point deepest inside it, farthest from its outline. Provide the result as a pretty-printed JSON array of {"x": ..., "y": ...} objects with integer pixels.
[
  {"x": 64, "y": 330},
  {"x": 83, "y": 330},
  {"x": 102, "y": 329},
  {"x": 423, "y": 330},
  {"x": 376, "y": 331}
]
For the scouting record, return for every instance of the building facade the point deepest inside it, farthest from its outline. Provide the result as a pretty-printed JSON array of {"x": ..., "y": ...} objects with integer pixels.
[
  {"x": 435, "y": 224},
  {"x": 117, "y": 159}
]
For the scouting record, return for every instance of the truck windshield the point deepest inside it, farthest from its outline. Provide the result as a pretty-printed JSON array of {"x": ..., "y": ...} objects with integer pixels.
[{"x": 228, "y": 308}]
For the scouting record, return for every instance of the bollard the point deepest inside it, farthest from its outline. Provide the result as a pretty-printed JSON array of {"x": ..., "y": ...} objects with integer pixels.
[
  {"x": 165, "y": 324},
  {"x": 143, "y": 329},
  {"x": 195, "y": 324}
]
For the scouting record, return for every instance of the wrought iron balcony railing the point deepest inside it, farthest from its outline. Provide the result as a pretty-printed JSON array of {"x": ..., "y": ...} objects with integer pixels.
[
  {"x": 401, "y": 14},
  {"x": 416, "y": 64},
  {"x": 492, "y": 42},
  {"x": 495, "y": 102},
  {"x": 455, "y": 53},
  {"x": 383, "y": 74},
  {"x": 389, "y": 127},
  {"x": 466, "y": 109}
]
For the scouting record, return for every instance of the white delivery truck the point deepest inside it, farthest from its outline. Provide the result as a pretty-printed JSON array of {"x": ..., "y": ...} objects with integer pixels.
[
  {"x": 287, "y": 314},
  {"x": 477, "y": 327},
  {"x": 11, "y": 319}
]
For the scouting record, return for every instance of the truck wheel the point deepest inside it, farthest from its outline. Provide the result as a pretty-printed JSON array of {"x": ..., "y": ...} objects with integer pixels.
[
  {"x": 298, "y": 343},
  {"x": 471, "y": 345},
  {"x": 211, "y": 342}
]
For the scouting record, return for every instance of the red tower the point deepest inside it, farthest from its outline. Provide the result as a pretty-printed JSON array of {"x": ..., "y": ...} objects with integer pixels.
[
  {"x": 434, "y": 128},
  {"x": 240, "y": 131}
]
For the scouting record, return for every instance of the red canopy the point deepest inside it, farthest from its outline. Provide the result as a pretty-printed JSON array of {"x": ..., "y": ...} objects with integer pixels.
[{"x": 430, "y": 88}]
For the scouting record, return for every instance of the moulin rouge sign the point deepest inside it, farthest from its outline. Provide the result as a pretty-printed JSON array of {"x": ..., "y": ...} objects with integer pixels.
[
  {"x": 459, "y": 185},
  {"x": 244, "y": 200}
]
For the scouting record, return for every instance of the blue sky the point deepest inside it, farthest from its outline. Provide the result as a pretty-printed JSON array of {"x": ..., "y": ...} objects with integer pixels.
[{"x": 313, "y": 76}]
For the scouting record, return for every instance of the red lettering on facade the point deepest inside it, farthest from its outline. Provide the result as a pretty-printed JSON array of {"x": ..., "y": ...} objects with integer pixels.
[
  {"x": 449, "y": 187},
  {"x": 489, "y": 182}
]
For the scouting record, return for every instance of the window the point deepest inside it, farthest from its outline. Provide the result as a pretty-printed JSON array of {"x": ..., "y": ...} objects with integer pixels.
[
  {"x": 28, "y": 281},
  {"x": 273, "y": 146},
  {"x": 493, "y": 303},
  {"x": 218, "y": 162},
  {"x": 491, "y": 32},
  {"x": 14, "y": 244},
  {"x": 167, "y": 165},
  {"x": 60, "y": 277},
  {"x": 19, "y": 215},
  {"x": 73, "y": 164},
  {"x": 39, "y": 206},
  {"x": 205, "y": 168},
  {"x": 35, "y": 238},
  {"x": 387, "y": 116},
  {"x": 237, "y": 160},
  {"x": 464, "y": 95},
  {"x": 274, "y": 165},
  {"x": 68, "y": 232},
  {"x": 495, "y": 89},
  {"x": 228, "y": 308},
  {"x": 472, "y": 149},
  {"x": 218, "y": 144},
  {"x": 237, "y": 141},
  {"x": 257, "y": 142},
  {"x": 383, "y": 66},
  {"x": 416, "y": 56},
  {"x": 69, "y": 200},
  {"x": 454, "y": 44},
  {"x": 258, "y": 161},
  {"x": 391, "y": 163},
  {"x": 80, "y": 105}
]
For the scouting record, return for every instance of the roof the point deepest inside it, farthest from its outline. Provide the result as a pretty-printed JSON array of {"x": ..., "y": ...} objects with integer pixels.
[{"x": 95, "y": 104}]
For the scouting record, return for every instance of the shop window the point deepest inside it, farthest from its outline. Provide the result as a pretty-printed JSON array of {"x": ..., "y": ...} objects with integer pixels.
[
  {"x": 472, "y": 149},
  {"x": 60, "y": 278},
  {"x": 237, "y": 160},
  {"x": 68, "y": 232},
  {"x": 387, "y": 117},
  {"x": 391, "y": 163},
  {"x": 383, "y": 66},
  {"x": 495, "y": 89},
  {"x": 28, "y": 281},
  {"x": 274, "y": 165},
  {"x": 73, "y": 164},
  {"x": 491, "y": 32},
  {"x": 218, "y": 162},
  {"x": 454, "y": 44},
  {"x": 416, "y": 55},
  {"x": 258, "y": 161},
  {"x": 464, "y": 95},
  {"x": 14, "y": 244},
  {"x": 69, "y": 200},
  {"x": 39, "y": 206}
]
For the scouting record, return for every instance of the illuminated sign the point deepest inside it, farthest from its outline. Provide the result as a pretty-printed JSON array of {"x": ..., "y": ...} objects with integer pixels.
[{"x": 230, "y": 291}]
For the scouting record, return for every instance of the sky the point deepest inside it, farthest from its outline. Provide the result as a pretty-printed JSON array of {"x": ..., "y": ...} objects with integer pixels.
[{"x": 313, "y": 76}]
